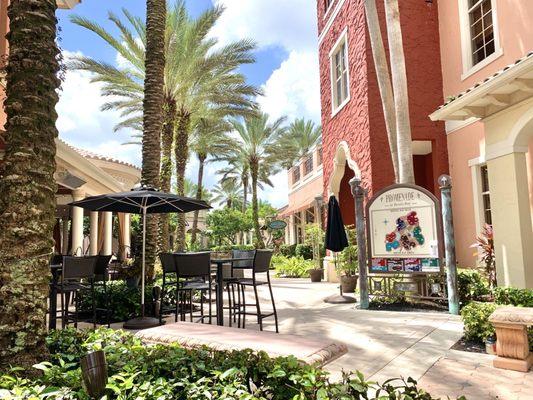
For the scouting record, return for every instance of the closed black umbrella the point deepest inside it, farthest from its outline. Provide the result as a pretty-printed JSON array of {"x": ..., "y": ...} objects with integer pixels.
[
  {"x": 143, "y": 201},
  {"x": 336, "y": 239}
]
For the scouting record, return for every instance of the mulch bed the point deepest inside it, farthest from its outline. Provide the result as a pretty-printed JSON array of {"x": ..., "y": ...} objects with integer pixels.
[
  {"x": 408, "y": 306},
  {"x": 470, "y": 346}
]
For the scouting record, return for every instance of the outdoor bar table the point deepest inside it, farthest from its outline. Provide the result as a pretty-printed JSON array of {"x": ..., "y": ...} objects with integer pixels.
[
  {"x": 219, "y": 262},
  {"x": 56, "y": 272}
]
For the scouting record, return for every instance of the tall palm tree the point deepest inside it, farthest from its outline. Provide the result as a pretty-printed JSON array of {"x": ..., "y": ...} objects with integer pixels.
[
  {"x": 259, "y": 140},
  {"x": 199, "y": 76},
  {"x": 227, "y": 193},
  {"x": 209, "y": 139},
  {"x": 27, "y": 185},
  {"x": 154, "y": 80},
  {"x": 300, "y": 137}
]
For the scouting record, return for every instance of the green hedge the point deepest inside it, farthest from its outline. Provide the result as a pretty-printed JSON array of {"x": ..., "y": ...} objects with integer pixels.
[
  {"x": 514, "y": 296},
  {"x": 292, "y": 267},
  {"x": 136, "y": 371},
  {"x": 471, "y": 286}
]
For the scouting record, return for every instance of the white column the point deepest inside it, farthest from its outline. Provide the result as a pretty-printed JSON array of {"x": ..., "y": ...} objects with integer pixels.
[
  {"x": 65, "y": 235},
  {"x": 127, "y": 234},
  {"x": 94, "y": 233},
  {"x": 77, "y": 224},
  {"x": 108, "y": 233},
  {"x": 292, "y": 239}
]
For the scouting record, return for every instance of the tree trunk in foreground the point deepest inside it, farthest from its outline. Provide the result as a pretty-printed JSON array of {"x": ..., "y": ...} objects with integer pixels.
[
  {"x": 199, "y": 184},
  {"x": 401, "y": 95},
  {"x": 153, "y": 115},
  {"x": 181, "y": 150},
  {"x": 255, "y": 208},
  {"x": 384, "y": 81},
  {"x": 27, "y": 185},
  {"x": 167, "y": 138},
  {"x": 244, "y": 201}
]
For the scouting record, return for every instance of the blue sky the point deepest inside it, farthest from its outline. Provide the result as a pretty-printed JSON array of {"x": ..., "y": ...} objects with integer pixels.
[{"x": 286, "y": 70}]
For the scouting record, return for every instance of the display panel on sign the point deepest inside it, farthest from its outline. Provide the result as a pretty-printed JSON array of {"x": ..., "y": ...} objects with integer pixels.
[{"x": 403, "y": 224}]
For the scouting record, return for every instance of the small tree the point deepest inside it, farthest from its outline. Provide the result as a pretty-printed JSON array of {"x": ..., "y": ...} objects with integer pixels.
[
  {"x": 225, "y": 224},
  {"x": 315, "y": 237},
  {"x": 349, "y": 262}
]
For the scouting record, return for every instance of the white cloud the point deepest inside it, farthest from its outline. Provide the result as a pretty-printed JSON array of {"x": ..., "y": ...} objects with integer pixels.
[
  {"x": 287, "y": 23},
  {"x": 278, "y": 194},
  {"x": 81, "y": 123},
  {"x": 294, "y": 88}
]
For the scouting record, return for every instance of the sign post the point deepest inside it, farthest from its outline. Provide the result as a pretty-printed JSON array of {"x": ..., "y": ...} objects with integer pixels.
[
  {"x": 445, "y": 184},
  {"x": 359, "y": 196}
]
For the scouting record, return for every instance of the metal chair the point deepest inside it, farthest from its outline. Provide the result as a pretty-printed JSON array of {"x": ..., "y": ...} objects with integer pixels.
[
  {"x": 77, "y": 275},
  {"x": 261, "y": 264},
  {"x": 101, "y": 276},
  {"x": 193, "y": 272},
  {"x": 169, "y": 269},
  {"x": 246, "y": 264}
]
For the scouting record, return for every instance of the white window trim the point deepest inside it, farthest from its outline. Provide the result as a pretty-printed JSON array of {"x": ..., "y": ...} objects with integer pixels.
[
  {"x": 479, "y": 207},
  {"x": 343, "y": 38},
  {"x": 466, "y": 42},
  {"x": 330, "y": 7}
]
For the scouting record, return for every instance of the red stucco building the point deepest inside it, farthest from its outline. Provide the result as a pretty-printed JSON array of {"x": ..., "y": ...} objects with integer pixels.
[{"x": 353, "y": 126}]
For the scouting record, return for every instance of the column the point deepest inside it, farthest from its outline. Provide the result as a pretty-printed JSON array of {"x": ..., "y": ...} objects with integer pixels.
[
  {"x": 65, "y": 235},
  {"x": 127, "y": 235},
  {"x": 292, "y": 238},
  {"x": 94, "y": 233},
  {"x": 108, "y": 233},
  {"x": 77, "y": 225},
  {"x": 511, "y": 219}
]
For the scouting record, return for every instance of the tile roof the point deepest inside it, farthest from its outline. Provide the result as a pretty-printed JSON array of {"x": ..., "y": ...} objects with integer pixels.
[{"x": 94, "y": 156}]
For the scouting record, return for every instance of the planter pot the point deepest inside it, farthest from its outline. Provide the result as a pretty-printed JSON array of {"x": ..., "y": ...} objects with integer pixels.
[
  {"x": 94, "y": 373},
  {"x": 133, "y": 282},
  {"x": 315, "y": 274},
  {"x": 348, "y": 283}
]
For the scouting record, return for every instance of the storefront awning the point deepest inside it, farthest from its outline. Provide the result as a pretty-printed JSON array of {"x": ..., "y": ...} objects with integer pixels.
[
  {"x": 505, "y": 88},
  {"x": 302, "y": 204}
]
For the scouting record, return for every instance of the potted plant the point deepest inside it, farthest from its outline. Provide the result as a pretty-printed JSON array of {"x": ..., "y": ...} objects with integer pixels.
[
  {"x": 348, "y": 264},
  {"x": 131, "y": 272},
  {"x": 315, "y": 237}
]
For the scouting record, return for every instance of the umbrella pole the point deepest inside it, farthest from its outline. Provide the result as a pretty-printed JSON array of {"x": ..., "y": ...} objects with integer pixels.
[{"x": 143, "y": 263}]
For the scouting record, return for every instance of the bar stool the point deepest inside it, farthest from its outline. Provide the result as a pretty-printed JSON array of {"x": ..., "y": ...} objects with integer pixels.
[
  {"x": 170, "y": 280},
  {"x": 101, "y": 276}
]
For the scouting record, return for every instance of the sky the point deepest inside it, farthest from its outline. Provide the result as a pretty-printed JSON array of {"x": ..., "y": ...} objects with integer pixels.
[{"x": 286, "y": 69}]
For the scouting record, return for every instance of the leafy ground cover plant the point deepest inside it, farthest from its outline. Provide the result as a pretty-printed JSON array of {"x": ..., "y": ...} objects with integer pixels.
[
  {"x": 292, "y": 267},
  {"x": 472, "y": 286},
  {"x": 137, "y": 371}
]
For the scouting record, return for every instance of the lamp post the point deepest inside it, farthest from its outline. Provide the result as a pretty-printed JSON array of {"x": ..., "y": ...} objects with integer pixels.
[
  {"x": 445, "y": 184},
  {"x": 358, "y": 193}
]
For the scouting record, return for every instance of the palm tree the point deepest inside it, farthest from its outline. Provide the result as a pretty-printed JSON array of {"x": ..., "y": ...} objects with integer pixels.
[
  {"x": 154, "y": 80},
  {"x": 209, "y": 139},
  {"x": 199, "y": 77},
  {"x": 27, "y": 185},
  {"x": 300, "y": 137},
  {"x": 227, "y": 193},
  {"x": 259, "y": 141}
]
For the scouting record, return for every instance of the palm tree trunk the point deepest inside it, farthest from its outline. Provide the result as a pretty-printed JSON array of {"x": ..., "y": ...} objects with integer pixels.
[
  {"x": 153, "y": 115},
  {"x": 384, "y": 81},
  {"x": 244, "y": 201},
  {"x": 201, "y": 162},
  {"x": 401, "y": 95},
  {"x": 181, "y": 150},
  {"x": 255, "y": 208},
  {"x": 167, "y": 138},
  {"x": 27, "y": 185}
]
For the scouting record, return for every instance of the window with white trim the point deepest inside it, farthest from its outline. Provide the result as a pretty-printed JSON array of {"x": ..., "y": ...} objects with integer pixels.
[
  {"x": 339, "y": 74},
  {"x": 480, "y": 19},
  {"x": 327, "y": 4},
  {"x": 485, "y": 194}
]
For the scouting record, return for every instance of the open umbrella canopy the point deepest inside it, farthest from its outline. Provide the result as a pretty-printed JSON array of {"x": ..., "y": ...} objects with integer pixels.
[
  {"x": 336, "y": 239},
  {"x": 147, "y": 199}
]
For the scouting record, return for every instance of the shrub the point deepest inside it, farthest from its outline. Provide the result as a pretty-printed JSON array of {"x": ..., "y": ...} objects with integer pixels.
[
  {"x": 304, "y": 250},
  {"x": 514, "y": 296},
  {"x": 169, "y": 372},
  {"x": 288, "y": 250},
  {"x": 471, "y": 286},
  {"x": 293, "y": 267},
  {"x": 475, "y": 317},
  {"x": 228, "y": 247}
]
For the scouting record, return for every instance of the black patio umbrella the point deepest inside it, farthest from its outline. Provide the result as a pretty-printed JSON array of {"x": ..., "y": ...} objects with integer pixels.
[
  {"x": 336, "y": 241},
  {"x": 143, "y": 201}
]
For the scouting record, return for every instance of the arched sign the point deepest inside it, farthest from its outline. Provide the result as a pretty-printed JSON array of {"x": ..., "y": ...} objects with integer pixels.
[
  {"x": 404, "y": 231},
  {"x": 277, "y": 224}
]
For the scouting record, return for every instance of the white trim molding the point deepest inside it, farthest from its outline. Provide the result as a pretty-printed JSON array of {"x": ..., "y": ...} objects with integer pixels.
[
  {"x": 342, "y": 39},
  {"x": 331, "y": 19},
  {"x": 341, "y": 158}
]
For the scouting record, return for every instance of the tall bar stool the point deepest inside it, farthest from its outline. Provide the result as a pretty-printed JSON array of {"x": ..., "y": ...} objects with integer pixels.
[
  {"x": 101, "y": 276},
  {"x": 170, "y": 283},
  {"x": 231, "y": 283},
  {"x": 193, "y": 272},
  {"x": 77, "y": 275},
  {"x": 261, "y": 265}
]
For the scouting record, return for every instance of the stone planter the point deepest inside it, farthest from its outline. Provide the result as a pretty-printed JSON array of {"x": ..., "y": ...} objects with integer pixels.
[
  {"x": 348, "y": 283},
  {"x": 315, "y": 274}
]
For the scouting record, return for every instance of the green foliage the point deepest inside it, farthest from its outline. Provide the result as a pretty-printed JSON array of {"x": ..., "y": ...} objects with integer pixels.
[
  {"x": 292, "y": 267},
  {"x": 288, "y": 250},
  {"x": 472, "y": 286},
  {"x": 225, "y": 224},
  {"x": 514, "y": 296},
  {"x": 304, "y": 250},
  {"x": 349, "y": 263},
  {"x": 314, "y": 236},
  {"x": 137, "y": 371},
  {"x": 475, "y": 317},
  {"x": 227, "y": 248}
]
